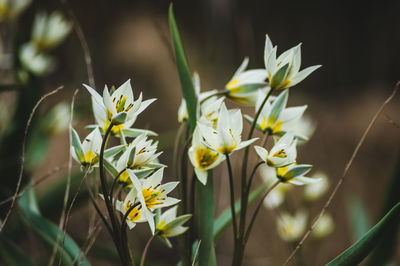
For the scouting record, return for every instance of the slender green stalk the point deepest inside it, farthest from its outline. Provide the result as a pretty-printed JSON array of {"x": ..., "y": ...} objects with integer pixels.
[
  {"x": 123, "y": 235},
  {"x": 218, "y": 93},
  {"x": 253, "y": 218},
  {"x": 239, "y": 250},
  {"x": 232, "y": 192},
  {"x": 252, "y": 176},
  {"x": 110, "y": 194},
  {"x": 146, "y": 248}
]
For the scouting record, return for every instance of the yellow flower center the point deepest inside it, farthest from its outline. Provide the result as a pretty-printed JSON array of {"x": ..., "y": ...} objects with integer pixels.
[
  {"x": 124, "y": 179},
  {"x": 89, "y": 156},
  {"x": 205, "y": 158},
  {"x": 134, "y": 214},
  {"x": 152, "y": 196},
  {"x": 231, "y": 84},
  {"x": 115, "y": 129},
  {"x": 280, "y": 154}
]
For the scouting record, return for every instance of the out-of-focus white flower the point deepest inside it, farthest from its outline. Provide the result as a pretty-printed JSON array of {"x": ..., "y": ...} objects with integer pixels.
[
  {"x": 169, "y": 225},
  {"x": 304, "y": 128},
  {"x": 294, "y": 174},
  {"x": 58, "y": 118},
  {"x": 118, "y": 108},
  {"x": 324, "y": 226},
  {"x": 276, "y": 196},
  {"x": 314, "y": 191},
  {"x": 11, "y": 9},
  {"x": 283, "y": 72},
  {"x": 282, "y": 153},
  {"x": 86, "y": 153},
  {"x": 291, "y": 227},
  {"x": 49, "y": 30},
  {"x": 245, "y": 84},
  {"x": 35, "y": 62},
  {"x": 202, "y": 157},
  {"x": 275, "y": 118},
  {"x": 226, "y": 136}
]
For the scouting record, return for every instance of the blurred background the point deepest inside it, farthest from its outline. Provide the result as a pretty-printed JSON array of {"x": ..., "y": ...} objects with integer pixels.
[{"x": 357, "y": 45}]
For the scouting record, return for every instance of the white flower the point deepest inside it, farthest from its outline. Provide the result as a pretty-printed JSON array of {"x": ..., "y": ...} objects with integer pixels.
[
  {"x": 314, "y": 191},
  {"x": 49, "y": 31},
  {"x": 138, "y": 214},
  {"x": 34, "y": 61},
  {"x": 324, "y": 226},
  {"x": 169, "y": 225},
  {"x": 58, "y": 118},
  {"x": 245, "y": 84},
  {"x": 291, "y": 227},
  {"x": 294, "y": 174},
  {"x": 118, "y": 108},
  {"x": 282, "y": 153},
  {"x": 86, "y": 153},
  {"x": 11, "y": 9},
  {"x": 275, "y": 118},
  {"x": 283, "y": 72},
  {"x": 226, "y": 136},
  {"x": 202, "y": 157},
  {"x": 276, "y": 196}
]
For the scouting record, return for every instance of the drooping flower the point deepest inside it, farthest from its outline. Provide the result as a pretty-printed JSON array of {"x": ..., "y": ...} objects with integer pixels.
[
  {"x": 49, "y": 30},
  {"x": 275, "y": 118},
  {"x": 202, "y": 157},
  {"x": 245, "y": 84},
  {"x": 226, "y": 136},
  {"x": 283, "y": 153},
  {"x": 283, "y": 72},
  {"x": 291, "y": 227},
  {"x": 11, "y": 9},
  {"x": 168, "y": 225},
  {"x": 118, "y": 108},
  {"x": 276, "y": 196},
  {"x": 86, "y": 153},
  {"x": 35, "y": 62}
]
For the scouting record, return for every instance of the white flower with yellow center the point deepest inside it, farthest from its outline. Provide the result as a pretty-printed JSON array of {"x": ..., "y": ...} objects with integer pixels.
[
  {"x": 202, "y": 157},
  {"x": 137, "y": 214},
  {"x": 283, "y": 72},
  {"x": 294, "y": 174},
  {"x": 139, "y": 153},
  {"x": 245, "y": 84},
  {"x": 276, "y": 196},
  {"x": 291, "y": 227},
  {"x": 168, "y": 225},
  {"x": 226, "y": 136},
  {"x": 49, "y": 30},
  {"x": 86, "y": 153},
  {"x": 275, "y": 118},
  {"x": 11, "y": 9},
  {"x": 282, "y": 153},
  {"x": 118, "y": 108},
  {"x": 314, "y": 191}
]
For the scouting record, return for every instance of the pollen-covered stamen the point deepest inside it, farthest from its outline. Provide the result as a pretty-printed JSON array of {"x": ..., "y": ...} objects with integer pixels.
[
  {"x": 205, "y": 158},
  {"x": 152, "y": 197},
  {"x": 280, "y": 154},
  {"x": 129, "y": 107},
  {"x": 120, "y": 105},
  {"x": 134, "y": 214}
]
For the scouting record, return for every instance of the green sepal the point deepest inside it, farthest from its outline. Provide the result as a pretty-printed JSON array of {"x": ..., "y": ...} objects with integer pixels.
[
  {"x": 134, "y": 132},
  {"x": 119, "y": 118},
  {"x": 279, "y": 77},
  {"x": 77, "y": 146}
]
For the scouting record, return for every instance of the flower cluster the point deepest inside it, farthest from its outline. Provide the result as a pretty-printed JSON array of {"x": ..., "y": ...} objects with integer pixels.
[{"x": 133, "y": 164}]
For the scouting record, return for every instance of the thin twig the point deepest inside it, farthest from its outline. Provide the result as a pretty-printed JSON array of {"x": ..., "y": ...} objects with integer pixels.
[
  {"x": 346, "y": 169},
  {"x": 196, "y": 253},
  {"x": 21, "y": 171},
  {"x": 83, "y": 42},
  {"x": 146, "y": 248}
]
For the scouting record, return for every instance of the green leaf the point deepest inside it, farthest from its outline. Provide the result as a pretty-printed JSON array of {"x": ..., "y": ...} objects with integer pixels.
[
  {"x": 48, "y": 231},
  {"x": 358, "y": 218},
  {"x": 358, "y": 251},
  {"x": 188, "y": 91},
  {"x": 386, "y": 250},
  {"x": 225, "y": 218},
  {"x": 205, "y": 217},
  {"x": 12, "y": 255}
]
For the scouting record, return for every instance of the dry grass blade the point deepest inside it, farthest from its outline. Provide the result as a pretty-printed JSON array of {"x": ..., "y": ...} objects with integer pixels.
[
  {"x": 346, "y": 169},
  {"x": 28, "y": 123}
]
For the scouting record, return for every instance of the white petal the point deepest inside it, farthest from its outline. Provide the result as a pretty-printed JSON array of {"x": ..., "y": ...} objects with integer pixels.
[
  {"x": 303, "y": 74},
  {"x": 201, "y": 175},
  {"x": 263, "y": 153}
]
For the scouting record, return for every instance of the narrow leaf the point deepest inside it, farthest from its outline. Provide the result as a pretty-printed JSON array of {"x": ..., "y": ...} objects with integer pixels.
[
  {"x": 185, "y": 77},
  {"x": 358, "y": 218},
  {"x": 205, "y": 217},
  {"x": 12, "y": 255},
  {"x": 358, "y": 251}
]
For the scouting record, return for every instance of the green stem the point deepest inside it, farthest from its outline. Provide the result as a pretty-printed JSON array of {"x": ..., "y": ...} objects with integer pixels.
[
  {"x": 252, "y": 175},
  {"x": 218, "y": 93},
  {"x": 232, "y": 192},
  {"x": 146, "y": 248},
  {"x": 239, "y": 251}
]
